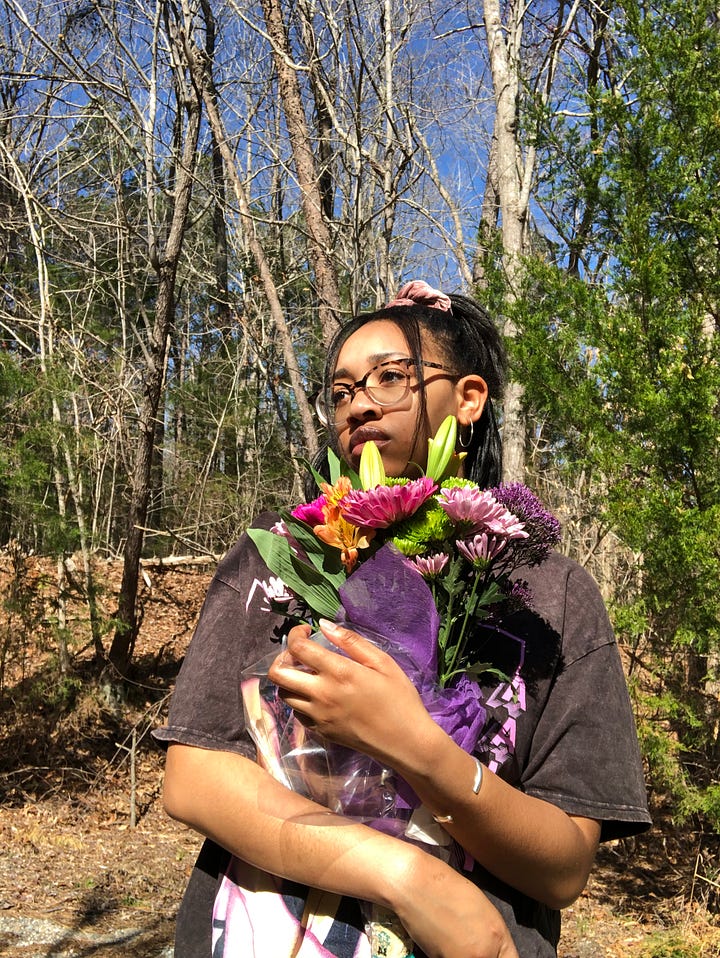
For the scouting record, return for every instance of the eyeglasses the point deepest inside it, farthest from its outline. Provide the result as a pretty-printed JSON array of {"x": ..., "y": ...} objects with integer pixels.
[{"x": 386, "y": 384}]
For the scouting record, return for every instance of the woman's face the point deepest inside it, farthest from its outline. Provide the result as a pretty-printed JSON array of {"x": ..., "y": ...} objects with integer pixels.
[{"x": 394, "y": 428}]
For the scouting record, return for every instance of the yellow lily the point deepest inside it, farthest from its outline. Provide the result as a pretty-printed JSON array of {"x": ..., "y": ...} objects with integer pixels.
[
  {"x": 372, "y": 470},
  {"x": 442, "y": 460}
]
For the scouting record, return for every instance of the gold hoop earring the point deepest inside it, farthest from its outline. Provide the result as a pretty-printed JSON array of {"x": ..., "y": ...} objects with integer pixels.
[{"x": 465, "y": 445}]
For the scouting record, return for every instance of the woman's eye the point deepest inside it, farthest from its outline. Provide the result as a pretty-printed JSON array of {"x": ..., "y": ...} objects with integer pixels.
[
  {"x": 340, "y": 395},
  {"x": 391, "y": 377}
]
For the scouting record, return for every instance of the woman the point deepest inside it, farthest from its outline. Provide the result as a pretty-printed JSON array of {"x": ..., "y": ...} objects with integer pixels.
[{"x": 571, "y": 774}]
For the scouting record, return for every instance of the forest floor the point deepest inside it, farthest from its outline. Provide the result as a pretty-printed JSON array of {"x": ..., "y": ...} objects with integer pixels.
[{"x": 91, "y": 867}]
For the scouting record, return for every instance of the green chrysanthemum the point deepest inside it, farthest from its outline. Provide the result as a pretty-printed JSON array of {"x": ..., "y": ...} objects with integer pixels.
[
  {"x": 455, "y": 482},
  {"x": 427, "y": 529}
]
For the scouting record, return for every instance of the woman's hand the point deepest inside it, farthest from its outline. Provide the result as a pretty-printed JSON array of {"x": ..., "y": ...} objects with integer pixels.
[{"x": 359, "y": 699}]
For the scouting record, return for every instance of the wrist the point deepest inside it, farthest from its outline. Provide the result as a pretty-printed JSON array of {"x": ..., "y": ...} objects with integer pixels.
[{"x": 420, "y": 748}]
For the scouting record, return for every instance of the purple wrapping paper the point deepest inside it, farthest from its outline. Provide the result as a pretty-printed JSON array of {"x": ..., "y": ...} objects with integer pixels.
[
  {"x": 388, "y": 602},
  {"x": 386, "y": 596}
]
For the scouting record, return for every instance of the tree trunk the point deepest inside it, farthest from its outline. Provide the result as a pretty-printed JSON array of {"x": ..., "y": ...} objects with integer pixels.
[
  {"x": 123, "y": 643},
  {"x": 309, "y": 179},
  {"x": 222, "y": 293},
  {"x": 512, "y": 175},
  {"x": 504, "y": 65},
  {"x": 277, "y": 315}
]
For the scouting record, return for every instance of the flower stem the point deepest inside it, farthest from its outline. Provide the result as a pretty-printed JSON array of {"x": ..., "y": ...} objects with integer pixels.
[{"x": 449, "y": 669}]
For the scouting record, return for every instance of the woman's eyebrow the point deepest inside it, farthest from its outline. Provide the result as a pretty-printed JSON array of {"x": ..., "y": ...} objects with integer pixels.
[{"x": 373, "y": 360}]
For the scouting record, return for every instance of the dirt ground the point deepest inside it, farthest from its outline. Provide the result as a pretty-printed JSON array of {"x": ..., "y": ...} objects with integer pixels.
[{"x": 78, "y": 878}]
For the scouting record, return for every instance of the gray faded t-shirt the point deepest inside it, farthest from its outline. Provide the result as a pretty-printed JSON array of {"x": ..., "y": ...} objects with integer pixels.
[{"x": 574, "y": 743}]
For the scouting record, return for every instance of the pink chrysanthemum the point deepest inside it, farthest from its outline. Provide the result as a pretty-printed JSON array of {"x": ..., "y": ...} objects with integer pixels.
[
  {"x": 430, "y": 566},
  {"x": 482, "y": 548},
  {"x": 474, "y": 510},
  {"x": 382, "y": 506},
  {"x": 311, "y": 512}
]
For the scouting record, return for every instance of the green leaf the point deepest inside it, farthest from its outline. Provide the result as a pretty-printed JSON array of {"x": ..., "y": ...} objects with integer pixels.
[
  {"x": 307, "y": 582},
  {"x": 484, "y": 598},
  {"x": 335, "y": 464},
  {"x": 319, "y": 479},
  {"x": 339, "y": 467},
  {"x": 476, "y": 669},
  {"x": 324, "y": 557}
]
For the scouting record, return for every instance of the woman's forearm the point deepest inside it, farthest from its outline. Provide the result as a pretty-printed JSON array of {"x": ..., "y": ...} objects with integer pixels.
[
  {"x": 532, "y": 845},
  {"x": 238, "y": 805}
]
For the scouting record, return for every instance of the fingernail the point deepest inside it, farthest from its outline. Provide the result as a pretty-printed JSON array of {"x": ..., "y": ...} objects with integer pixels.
[{"x": 327, "y": 626}]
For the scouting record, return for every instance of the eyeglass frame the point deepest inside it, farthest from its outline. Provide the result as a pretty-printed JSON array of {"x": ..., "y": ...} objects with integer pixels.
[{"x": 355, "y": 387}]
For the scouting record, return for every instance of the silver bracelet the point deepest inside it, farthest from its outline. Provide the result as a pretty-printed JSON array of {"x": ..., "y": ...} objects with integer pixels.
[
  {"x": 478, "y": 776},
  {"x": 448, "y": 819}
]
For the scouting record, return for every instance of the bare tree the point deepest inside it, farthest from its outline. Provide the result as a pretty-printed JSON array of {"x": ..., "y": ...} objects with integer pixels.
[
  {"x": 165, "y": 255},
  {"x": 512, "y": 171},
  {"x": 308, "y": 176},
  {"x": 201, "y": 68}
]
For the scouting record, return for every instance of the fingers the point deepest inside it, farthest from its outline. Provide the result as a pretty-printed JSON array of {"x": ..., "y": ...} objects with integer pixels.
[
  {"x": 356, "y": 647},
  {"x": 303, "y": 652},
  {"x": 299, "y": 632}
]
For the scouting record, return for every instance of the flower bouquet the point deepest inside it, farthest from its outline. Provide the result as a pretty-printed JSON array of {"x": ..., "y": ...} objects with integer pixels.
[{"x": 421, "y": 567}]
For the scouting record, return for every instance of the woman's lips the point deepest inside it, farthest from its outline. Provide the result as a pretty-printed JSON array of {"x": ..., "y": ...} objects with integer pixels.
[{"x": 365, "y": 434}]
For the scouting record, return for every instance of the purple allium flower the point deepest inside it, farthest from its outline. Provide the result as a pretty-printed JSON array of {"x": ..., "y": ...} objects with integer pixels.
[
  {"x": 311, "y": 513},
  {"x": 482, "y": 548},
  {"x": 542, "y": 527},
  {"x": 382, "y": 506},
  {"x": 521, "y": 593},
  {"x": 474, "y": 510},
  {"x": 432, "y": 565}
]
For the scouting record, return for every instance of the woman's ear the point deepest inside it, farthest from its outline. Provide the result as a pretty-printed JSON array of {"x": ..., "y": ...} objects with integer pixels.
[{"x": 471, "y": 393}]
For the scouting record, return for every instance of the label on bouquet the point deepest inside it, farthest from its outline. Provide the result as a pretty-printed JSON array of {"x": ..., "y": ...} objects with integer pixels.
[
  {"x": 422, "y": 827},
  {"x": 388, "y": 937}
]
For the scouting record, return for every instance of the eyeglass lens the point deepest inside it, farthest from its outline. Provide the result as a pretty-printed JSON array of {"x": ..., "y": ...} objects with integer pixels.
[{"x": 385, "y": 384}]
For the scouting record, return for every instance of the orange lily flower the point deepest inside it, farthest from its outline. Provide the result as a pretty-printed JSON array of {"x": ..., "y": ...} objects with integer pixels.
[{"x": 337, "y": 531}]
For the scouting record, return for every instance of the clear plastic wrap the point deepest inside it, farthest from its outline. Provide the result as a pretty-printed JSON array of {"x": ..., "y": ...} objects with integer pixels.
[{"x": 347, "y": 782}]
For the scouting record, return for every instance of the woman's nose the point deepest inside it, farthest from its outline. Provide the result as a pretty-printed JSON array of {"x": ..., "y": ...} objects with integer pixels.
[{"x": 362, "y": 406}]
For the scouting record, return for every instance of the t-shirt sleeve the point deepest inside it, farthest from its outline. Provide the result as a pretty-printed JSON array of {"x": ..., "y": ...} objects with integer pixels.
[
  {"x": 235, "y": 630},
  {"x": 584, "y": 755}
]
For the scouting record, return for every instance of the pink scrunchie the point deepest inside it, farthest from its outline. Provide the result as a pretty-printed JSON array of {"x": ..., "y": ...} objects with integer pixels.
[{"x": 418, "y": 293}]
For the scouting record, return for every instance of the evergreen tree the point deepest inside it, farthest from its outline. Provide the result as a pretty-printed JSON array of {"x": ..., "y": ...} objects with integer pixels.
[{"x": 626, "y": 369}]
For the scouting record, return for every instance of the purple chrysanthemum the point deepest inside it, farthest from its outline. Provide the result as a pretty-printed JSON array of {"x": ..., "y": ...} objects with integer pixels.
[
  {"x": 482, "y": 548},
  {"x": 311, "y": 512},
  {"x": 542, "y": 527},
  {"x": 432, "y": 565},
  {"x": 383, "y": 506},
  {"x": 474, "y": 510}
]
